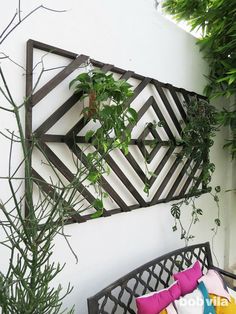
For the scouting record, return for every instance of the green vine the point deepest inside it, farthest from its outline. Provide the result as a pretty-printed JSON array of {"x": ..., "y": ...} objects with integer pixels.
[
  {"x": 197, "y": 135},
  {"x": 106, "y": 106},
  {"x": 196, "y": 140}
]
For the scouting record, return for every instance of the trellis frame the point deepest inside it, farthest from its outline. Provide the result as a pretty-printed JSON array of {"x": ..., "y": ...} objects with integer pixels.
[{"x": 40, "y": 132}]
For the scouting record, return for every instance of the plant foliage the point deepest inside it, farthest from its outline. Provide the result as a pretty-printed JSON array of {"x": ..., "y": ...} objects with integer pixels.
[
  {"x": 196, "y": 140},
  {"x": 217, "y": 20},
  {"x": 107, "y": 105},
  {"x": 197, "y": 136},
  {"x": 27, "y": 287}
]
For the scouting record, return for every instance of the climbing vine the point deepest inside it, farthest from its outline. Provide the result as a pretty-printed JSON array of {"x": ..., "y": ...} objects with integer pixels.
[{"x": 196, "y": 140}]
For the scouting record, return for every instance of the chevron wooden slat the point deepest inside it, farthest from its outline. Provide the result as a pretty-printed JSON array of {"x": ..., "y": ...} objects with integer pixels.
[
  {"x": 190, "y": 177},
  {"x": 57, "y": 115},
  {"x": 107, "y": 67},
  {"x": 180, "y": 176},
  {"x": 168, "y": 107},
  {"x": 136, "y": 167},
  {"x": 162, "y": 119},
  {"x": 126, "y": 75},
  {"x": 107, "y": 187},
  {"x": 161, "y": 165},
  {"x": 65, "y": 171},
  {"x": 57, "y": 79},
  {"x": 138, "y": 90},
  {"x": 167, "y": 178},
  {"x": 177, "y": 101},
  {"x": 125, "y": 181},
  {"x": 75, "y": 217}
]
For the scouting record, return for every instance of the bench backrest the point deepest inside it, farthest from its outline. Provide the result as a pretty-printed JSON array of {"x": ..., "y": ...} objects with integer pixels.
[{"x": 119, "y": 297}]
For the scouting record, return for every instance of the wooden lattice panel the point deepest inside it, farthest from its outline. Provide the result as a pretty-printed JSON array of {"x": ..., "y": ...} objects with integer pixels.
[{"x": 60, "y": 124}]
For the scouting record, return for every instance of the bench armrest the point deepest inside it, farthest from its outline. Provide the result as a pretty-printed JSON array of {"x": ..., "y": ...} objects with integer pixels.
[{"x": 224, "y": 272}]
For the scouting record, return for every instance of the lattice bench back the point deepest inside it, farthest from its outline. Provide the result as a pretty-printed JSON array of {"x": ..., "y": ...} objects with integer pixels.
[{"x": 119, "y": 297}]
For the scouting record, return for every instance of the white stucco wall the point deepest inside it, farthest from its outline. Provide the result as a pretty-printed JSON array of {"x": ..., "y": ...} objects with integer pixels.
[{"x": 131, "y": 35}]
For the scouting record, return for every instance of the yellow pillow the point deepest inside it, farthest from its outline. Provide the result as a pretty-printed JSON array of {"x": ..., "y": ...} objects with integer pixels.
[
  {"x": 222, "y": 305},
  {"x": 163, "y": 312}
]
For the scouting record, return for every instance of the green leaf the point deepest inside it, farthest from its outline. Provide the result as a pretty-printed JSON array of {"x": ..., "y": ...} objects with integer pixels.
[
  {"x": 91, "y": 157},
  {"x": 199, "y": 211},
  {"x": 217, "y": 222},
  {"x": 105, "y": 195},
  {"x": 97, "y": 214},
  {"x": 217, "y": 189},
  {"x": 98, "y": 204},
  {"x": 160, "y": 123},
  {"x": 117, "y": 143},
  {"x": 93, "y": 176},
  {"x": 146, "y": 188},
  {"x": 125, "y": 149},
  {"x": 134, "y": 115},
  {"x": 232, "y": 79},
  {"x": 175, "y": 211},
  {"x": 104, "y": 146},
  {"x": 88, "y": 135},
  {"x": 83, "y": 77},
  {"x": 174, "y": 228}
]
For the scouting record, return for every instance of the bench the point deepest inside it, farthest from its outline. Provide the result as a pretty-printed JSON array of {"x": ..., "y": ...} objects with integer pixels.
[{"x": 119, "y": 297}]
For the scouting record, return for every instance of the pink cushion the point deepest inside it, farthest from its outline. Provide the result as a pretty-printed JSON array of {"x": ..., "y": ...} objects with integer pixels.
[
  {"x": 155, "y": 302},
  {"x": 188, "y": 278},
  {"x": 214, "y": 284}
]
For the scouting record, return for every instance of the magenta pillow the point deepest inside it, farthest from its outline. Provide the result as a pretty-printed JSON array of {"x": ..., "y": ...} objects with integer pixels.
[
  {"x": 155, "y": 302},
  {"x": 188, "y": 278}
]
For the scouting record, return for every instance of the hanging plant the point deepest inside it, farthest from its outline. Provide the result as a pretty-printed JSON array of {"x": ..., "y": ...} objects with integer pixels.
[
  {"x": 108, "y": 106},
  {"x": 197, "y": 135},
  {"x": 196, "y": 140}
]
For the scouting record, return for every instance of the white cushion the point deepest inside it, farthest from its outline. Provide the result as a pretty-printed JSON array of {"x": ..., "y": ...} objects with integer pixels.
[
  {"x": 192, "y": 303},
  {"x": 171, "y": 309},
  {"x": 232, "y": 293}
]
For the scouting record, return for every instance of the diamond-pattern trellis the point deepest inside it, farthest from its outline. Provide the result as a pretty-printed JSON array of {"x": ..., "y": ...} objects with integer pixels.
[{"x": 163, "y": 106}]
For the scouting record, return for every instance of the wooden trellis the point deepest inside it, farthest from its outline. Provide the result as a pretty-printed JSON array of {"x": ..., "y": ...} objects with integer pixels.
[{"x": 175, "y": 182}]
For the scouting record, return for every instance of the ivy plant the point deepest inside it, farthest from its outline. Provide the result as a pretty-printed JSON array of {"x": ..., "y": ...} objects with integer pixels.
[
  {"x": 196, "y": 140},
  {"x": 197, "y": 135}
]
